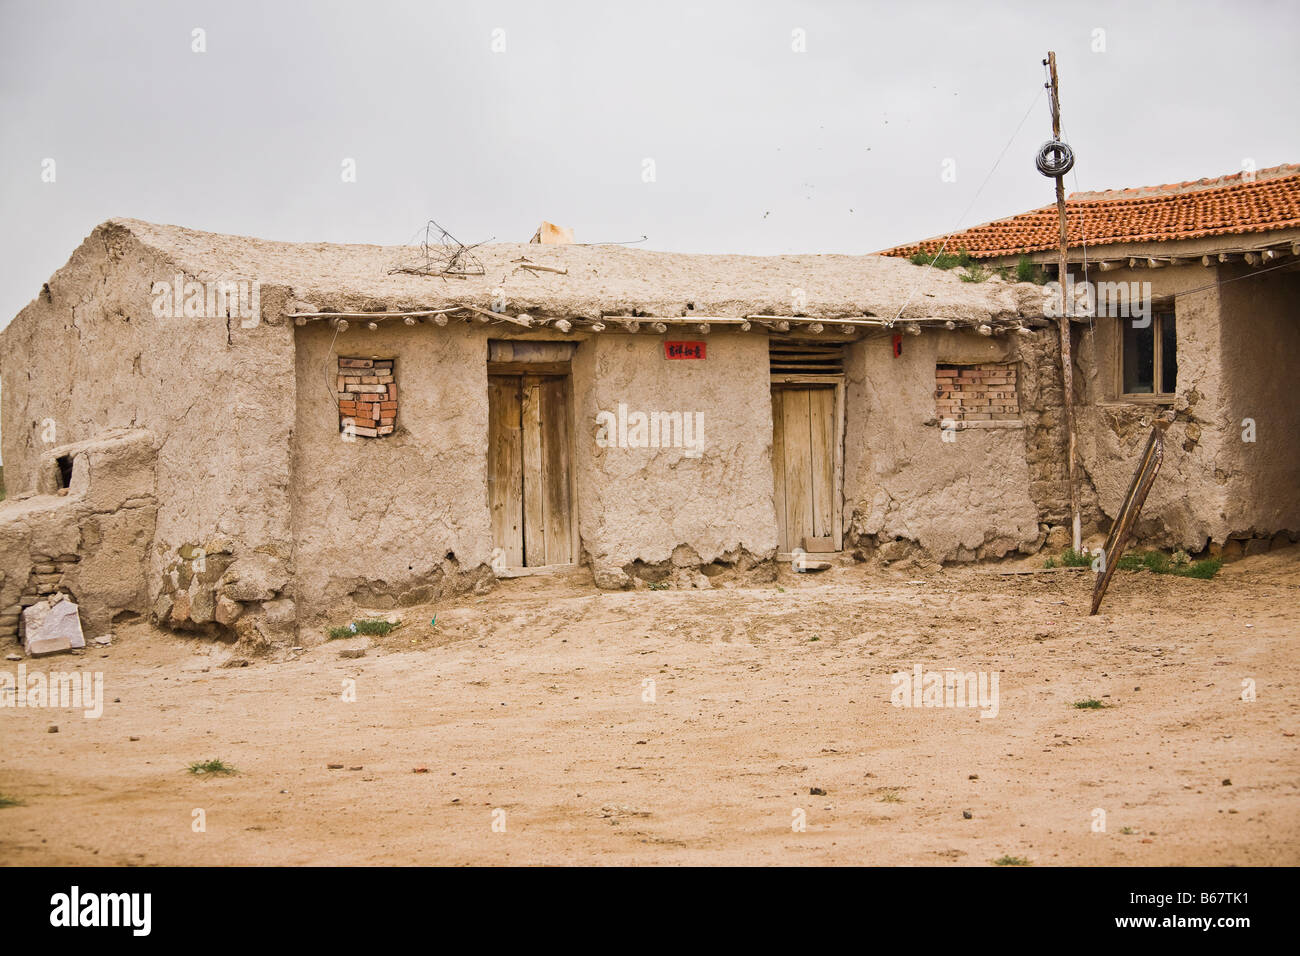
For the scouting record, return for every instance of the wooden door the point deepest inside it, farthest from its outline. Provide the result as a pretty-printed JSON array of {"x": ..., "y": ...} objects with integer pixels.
[
  {"x": 528, "y": 469},
  {"x": 804, "y": 468}
]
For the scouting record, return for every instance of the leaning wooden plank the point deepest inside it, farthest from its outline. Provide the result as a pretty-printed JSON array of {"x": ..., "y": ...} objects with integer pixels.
[{"x": 1138, "y": 489}]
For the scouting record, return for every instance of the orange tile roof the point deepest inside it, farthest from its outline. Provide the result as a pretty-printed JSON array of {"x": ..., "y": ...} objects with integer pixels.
[{"x": 1224, "y": 206}]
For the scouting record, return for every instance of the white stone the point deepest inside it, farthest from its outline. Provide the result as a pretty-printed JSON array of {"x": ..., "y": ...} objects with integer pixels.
[{"x": 48, "y": 629}]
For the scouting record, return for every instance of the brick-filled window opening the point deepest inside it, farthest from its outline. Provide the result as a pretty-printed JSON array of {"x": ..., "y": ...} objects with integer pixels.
[
  {"x": 976, "y": 393},
  {"x": 367, "y": 397}
]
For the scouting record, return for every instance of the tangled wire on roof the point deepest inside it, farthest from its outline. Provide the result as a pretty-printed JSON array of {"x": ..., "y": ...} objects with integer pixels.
[
  {"x": 1054, "y": 158},
  {"x": 442, "y": 254}
]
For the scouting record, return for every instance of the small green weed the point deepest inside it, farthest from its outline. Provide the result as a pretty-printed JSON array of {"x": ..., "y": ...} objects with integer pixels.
[
  {"x": 376, "y": 626},
  {"x": 1179, "y": 565},
  {"x": 215, "y": 767}
]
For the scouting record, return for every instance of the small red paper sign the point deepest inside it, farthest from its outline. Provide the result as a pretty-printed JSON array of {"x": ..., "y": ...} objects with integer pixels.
[{"x": 684, "y": 350}]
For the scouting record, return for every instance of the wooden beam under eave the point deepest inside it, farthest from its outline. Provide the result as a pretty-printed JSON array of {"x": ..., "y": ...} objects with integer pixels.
[
  {"x": 1107, "y": 265},
  {"x": 679, "y": 319},
  {"x": 486, "y": 316}
]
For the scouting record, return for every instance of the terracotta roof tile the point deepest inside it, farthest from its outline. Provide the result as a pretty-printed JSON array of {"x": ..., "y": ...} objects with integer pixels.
[{"x": 1228, "y": 205}]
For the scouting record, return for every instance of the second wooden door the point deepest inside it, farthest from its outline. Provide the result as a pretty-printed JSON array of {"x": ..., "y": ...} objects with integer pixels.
[{"x": 803, "y": 467}]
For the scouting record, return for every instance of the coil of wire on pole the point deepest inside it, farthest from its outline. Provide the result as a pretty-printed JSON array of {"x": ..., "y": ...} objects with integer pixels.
[{"x": 1054, "y": 158}]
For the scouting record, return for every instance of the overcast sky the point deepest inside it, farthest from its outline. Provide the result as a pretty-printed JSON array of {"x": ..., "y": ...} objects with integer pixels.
[{"x": 765, "y": 127}]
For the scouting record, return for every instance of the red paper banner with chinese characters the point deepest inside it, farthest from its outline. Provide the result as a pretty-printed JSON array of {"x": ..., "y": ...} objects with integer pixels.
[{"x": 684, "y": 350}]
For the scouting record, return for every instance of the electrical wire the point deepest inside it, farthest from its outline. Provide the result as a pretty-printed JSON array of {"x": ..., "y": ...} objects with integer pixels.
[
  {"x": 969, "y": 207},
  {"x": 325, "y": 365}
]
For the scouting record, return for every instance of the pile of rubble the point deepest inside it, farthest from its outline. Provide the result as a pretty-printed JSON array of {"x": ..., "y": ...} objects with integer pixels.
[{"x": 50, "y": 625}]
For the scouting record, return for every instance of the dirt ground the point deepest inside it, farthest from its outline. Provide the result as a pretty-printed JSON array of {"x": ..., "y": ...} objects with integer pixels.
[{"x": 531, "y": 701}]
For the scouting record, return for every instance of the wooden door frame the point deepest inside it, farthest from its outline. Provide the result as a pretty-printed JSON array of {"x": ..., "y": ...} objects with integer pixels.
[
  {"x": 837, "y": 477},
  {"x": 550, "y": 370}
]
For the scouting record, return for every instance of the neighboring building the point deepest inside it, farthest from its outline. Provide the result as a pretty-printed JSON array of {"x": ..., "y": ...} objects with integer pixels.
[
  {"x": 237, "y": 436},
  {"x": 1214, "y": 336}
]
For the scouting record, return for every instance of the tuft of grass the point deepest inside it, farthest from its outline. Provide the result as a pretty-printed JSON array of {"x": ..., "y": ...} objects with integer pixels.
[
  {"x": 1203, "y": 570},
  {"x": 1157, "y": 562},
  {"x": 976, "y": 273},
  {"x": 1073, "y": 559},
  {"x": 945, "y": 260},
  {"x": 1127, "y": 831},
  {"x": 1026, "y": 271},
  {"x": 10, "y": 801},
  {"x": 1090, "y": 704},
  {"x": 214, "y": 767},
  {"x": 1011, "y": 861},
  {"x": 376, "y": 626},
  {"x": 890, "y": 796},
  {"x": 657, "y": 586}
]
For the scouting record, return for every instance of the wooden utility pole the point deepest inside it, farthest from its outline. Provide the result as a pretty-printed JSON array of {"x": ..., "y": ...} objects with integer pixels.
[{"x": 1063, "y": 318}]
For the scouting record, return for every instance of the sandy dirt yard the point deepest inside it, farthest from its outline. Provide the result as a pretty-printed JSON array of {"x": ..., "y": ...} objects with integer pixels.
[{"x": 693, "y": 727}]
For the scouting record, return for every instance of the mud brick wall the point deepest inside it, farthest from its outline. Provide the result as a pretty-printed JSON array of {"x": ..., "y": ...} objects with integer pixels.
[
  {"x": 367, "y": 396},
  {"x": 976, "y": 392}
]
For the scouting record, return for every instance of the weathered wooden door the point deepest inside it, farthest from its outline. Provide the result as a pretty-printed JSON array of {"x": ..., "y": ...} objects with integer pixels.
[
  {"x": 528, "y": 469},
  {"x": 804, "y": 467}
]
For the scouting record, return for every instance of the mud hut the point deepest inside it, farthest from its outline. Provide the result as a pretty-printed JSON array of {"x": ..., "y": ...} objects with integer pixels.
[
  {"x": 1184, "y": 296},
  {"x": 232, "y": 435}
]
